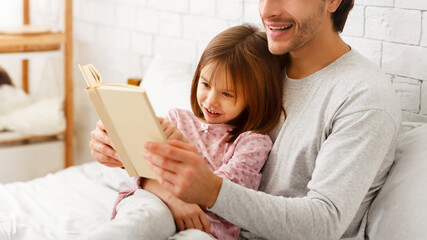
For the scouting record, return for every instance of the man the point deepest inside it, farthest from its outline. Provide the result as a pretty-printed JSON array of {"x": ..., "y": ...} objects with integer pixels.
[{"x": 332, "y": 153}]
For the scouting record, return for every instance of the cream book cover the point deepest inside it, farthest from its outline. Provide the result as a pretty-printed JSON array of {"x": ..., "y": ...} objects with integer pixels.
[{"x": 128, "y": 118}]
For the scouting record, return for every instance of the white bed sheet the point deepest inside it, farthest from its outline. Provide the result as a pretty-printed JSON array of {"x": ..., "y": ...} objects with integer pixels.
[{"x": 63, "y": 205}]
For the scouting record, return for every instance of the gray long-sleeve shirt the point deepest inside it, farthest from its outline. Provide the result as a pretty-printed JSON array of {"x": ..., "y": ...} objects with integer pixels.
[{"x": 329, "y": 159}]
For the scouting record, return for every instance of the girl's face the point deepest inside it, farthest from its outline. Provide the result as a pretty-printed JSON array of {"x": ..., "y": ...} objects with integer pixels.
[{"x": 219, "y": 103}]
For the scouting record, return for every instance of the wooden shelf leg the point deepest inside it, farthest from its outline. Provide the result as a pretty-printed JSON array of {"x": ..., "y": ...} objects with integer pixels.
[
  {"x": 24, "y": 82},
  {"x": 24, "y": 63},
  {"x": 69, "y": 90}
]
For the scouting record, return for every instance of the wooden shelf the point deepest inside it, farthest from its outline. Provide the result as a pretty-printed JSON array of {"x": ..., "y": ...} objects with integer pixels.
[
  {"x": 31, "y": 43},
  {"x": 31, "y": 55},
  {"x": 8, "y": 138}
]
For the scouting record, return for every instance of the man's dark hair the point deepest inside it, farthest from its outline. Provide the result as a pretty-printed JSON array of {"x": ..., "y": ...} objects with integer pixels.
[{"x": 340, "y": 15}]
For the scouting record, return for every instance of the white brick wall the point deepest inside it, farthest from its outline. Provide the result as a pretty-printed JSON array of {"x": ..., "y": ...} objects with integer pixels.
[
  {"x": 250, "y": 12},
  {"x": 370, "y": 48},
  {"x": 227, "y": 9},
  {"x": 389, "y": 32},
  {"x": 409, "y": 91},
  {"x": 405, "y": 60},
  {"x": 113, "y": 38},
  {"x": 393, "y": 24},
  {"x": 411, "y": 4},
  {"x": 424, "y": 99},
  {"x": 124, "y": 35},
  {"x": 180, "y": 6},
  {"x": 180, "y": 50},
  {"x": 395, "y": 37},
  {"x": 126, "y": 16},
  {"x": 202, "y": 8},
  {"x": 104, "y": 12},
  {"x": 356, "y": 22},
  {"x": 383, "y": 3},
  {"x": 424, "y": 30}
]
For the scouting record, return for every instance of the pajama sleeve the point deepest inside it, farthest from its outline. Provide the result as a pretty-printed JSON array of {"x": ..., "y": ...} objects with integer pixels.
[{"x": 250, "y": 153}]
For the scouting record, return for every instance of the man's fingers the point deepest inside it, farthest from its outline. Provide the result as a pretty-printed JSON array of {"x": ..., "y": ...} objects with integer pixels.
[
  {"x": 183, "y": 145},
  {"x": 167, "y": 178},
  {"x": 173, "y": 153},
  {"x": 162, "y": 162}
]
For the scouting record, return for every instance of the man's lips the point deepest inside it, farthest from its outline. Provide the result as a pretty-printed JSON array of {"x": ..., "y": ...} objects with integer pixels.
[
  {"x": 277, "y": 27},
  {"x": 278, "y": 30}
]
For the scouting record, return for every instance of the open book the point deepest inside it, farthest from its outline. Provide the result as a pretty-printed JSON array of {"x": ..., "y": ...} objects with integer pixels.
[{"x": 128, "y": 118}]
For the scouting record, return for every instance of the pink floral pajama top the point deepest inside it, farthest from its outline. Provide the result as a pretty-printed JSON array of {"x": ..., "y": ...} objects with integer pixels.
[{"x": 240, "y": 161}]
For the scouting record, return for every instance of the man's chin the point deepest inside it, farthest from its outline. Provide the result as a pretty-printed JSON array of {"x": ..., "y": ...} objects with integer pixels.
[
  {"x": 278, "y": 47},
  {"x": 277, "y": 50}
]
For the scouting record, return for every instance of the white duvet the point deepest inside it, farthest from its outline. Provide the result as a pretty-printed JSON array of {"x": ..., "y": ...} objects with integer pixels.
[{"x": 63, "y": 205}]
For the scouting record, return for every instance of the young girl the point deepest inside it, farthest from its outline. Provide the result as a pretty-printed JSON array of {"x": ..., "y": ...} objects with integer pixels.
[{"x": 236, "y": 100}]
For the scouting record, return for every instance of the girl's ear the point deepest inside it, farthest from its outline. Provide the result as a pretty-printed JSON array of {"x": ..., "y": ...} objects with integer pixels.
[{"x": 333, "y": 5}]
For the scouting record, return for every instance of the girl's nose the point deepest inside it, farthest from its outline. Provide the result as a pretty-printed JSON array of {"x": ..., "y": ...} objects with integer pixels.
[{"x": 212, "y": 99}]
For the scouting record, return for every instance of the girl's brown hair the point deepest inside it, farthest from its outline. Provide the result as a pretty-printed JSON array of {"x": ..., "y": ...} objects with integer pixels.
[{"x": 241, "y": 52}]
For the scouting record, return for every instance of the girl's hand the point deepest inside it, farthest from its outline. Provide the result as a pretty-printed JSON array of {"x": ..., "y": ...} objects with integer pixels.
[
  {"x": 188, "y": 215},
  {"x": 170, "y": 130},
  {"x": 102, "y": 148}
]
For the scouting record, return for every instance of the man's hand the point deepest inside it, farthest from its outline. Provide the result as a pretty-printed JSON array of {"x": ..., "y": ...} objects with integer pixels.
[
  {"x": 102, "y": 148},
  {"x": 170, "y": 130},
  {"x": 181, "y": 170}
]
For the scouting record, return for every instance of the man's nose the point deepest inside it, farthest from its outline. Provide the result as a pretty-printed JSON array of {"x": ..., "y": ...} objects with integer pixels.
[{"x": 269, "y": 8}]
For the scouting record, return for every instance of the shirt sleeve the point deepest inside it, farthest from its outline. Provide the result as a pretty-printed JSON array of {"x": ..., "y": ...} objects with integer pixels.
[
  {"x": 173, "y": 116},
  {"x": 346, "y": 166},
  {"x": 250, "y": 154}
]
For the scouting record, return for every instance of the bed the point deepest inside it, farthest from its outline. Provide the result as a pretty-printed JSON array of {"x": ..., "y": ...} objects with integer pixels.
[{"x": 68, "y": 203}]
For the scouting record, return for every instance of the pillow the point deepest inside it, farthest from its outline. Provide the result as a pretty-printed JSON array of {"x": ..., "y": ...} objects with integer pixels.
[
  {"x": 12, "y": 98},
  {"x": 400, "y": 209},
  {"x": 43, "y": 117},
  {"x": 168, "y": 85}
]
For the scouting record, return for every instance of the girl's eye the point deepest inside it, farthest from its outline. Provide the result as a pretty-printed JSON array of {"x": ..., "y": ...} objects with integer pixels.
[
  {"x": 229, "y": 95},
  {"x": 205, "y": 84}
]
